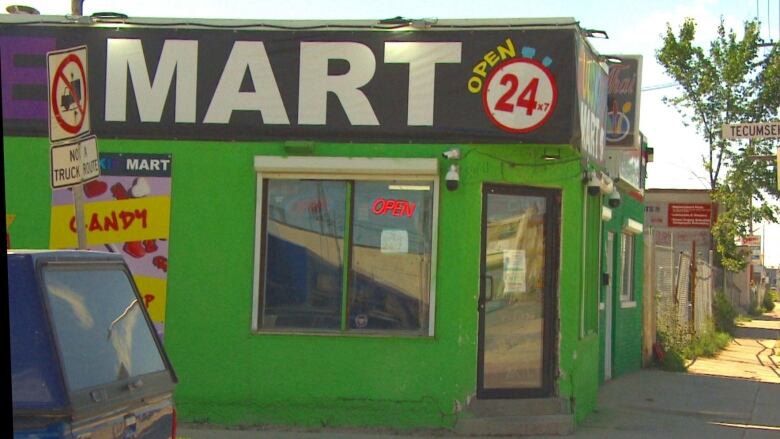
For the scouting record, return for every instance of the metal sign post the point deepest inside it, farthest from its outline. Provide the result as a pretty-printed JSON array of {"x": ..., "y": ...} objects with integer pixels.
[
  {"x": 81, "y": 228},
  {"x": 72, "y": 163}
]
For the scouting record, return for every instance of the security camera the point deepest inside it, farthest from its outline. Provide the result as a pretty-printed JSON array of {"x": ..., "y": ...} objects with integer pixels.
[
  {"x": 594, "y": 184},
  {"x": 614, "y": 199},
  {"x": 452, "y": 154},
  {"x": 452, "y": 178}
]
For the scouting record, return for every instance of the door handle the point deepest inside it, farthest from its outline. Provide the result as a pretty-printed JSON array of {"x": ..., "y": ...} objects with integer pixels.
[{"x": 487, "y": 293}]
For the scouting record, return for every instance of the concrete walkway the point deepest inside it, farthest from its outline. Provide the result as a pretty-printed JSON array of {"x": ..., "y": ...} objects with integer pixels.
[
  {"x": 754, "y": 354},
  {"x": 733, "y": 396}
]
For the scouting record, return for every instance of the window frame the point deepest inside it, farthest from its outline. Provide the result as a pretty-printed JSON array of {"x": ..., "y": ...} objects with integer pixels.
[
  {"x": 341, "y": 168},
  {"x": 628, "y": 300}
]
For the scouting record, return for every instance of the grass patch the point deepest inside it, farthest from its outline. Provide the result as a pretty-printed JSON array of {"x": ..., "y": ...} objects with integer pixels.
[
  {"x": 680, "y": 346},
  {"x": 707, "y": 344}
]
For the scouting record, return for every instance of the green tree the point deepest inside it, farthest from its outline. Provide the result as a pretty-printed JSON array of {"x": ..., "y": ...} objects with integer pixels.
[{"x": 737, "y": 80}]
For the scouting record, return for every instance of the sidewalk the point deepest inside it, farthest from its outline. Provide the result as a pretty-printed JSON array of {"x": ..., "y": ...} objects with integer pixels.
[
  {"x": 754, "y": 353},
  {"x": 734, "y": 395},
  {"x": 731, "y": 396}
]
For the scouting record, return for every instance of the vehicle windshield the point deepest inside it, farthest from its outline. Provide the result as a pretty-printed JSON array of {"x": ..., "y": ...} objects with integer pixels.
[{"x": 100, "y": 327}]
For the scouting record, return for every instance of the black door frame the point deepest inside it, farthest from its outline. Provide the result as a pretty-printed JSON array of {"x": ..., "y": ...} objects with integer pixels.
[{"x": 550, "y": 299}]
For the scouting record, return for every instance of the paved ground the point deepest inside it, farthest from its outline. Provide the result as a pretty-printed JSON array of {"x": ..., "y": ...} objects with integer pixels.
[
  {"x": 754, "y": 354},
  {"x": 735, "y": 395}
]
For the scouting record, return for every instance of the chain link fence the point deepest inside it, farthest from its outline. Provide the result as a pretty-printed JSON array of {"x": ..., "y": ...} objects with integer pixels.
[{"x": 684, "y": 289}]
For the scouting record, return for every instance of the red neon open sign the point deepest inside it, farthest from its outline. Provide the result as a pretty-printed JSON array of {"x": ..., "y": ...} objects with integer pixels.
[{"x": 383, "y": 206}]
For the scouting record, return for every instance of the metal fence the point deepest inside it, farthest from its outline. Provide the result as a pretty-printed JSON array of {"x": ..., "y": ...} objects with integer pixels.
[
  {"x": 684, "y": 289},
  {"x": 738, "y": 288}
]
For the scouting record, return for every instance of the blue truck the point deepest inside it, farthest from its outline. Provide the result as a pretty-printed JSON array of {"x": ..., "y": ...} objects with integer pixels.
[{"x": 86, "y": 361}]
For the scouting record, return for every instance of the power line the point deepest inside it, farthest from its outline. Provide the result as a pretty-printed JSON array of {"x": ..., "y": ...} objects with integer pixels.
[{"x": 659, "y": 86}]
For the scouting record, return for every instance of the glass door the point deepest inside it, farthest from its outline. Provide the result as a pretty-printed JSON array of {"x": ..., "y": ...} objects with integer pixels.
[{"x": 517, "y": 339}]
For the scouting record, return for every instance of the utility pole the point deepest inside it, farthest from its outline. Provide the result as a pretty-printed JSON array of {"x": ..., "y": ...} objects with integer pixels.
[{"x": 77, "y": 8}]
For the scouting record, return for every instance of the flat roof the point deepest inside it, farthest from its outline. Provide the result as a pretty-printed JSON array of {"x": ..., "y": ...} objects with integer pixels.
[{"x": 388, "y": 24}]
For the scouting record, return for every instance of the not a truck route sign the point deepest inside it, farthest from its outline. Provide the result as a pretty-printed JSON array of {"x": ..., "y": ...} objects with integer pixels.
[
  {"x": 74, "y": 163},
  {"x": 68, "y": 94}
]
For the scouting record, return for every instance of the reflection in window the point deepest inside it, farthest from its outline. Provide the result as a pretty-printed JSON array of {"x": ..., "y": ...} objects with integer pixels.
[
  {"x": 388, "y": 261},
  {"x": 515, "y": 246},
  {"x": 391, "y": 256},
  {"x": 98, "y": 321},
  {"x": 303, "y": 253}
]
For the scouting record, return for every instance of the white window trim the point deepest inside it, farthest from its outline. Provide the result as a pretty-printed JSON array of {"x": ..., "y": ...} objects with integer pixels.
[
  {"x": 626, "y": 301},
  {"x": 633, "y": 228},
  {"x": 357, "y": 168}
]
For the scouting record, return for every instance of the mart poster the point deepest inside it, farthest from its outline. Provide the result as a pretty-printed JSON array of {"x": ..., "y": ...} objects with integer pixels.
[{"x": 127, "y": 211}]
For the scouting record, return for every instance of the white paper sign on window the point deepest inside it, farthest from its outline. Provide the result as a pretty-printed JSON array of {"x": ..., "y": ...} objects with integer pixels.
[
  {"x": 394, "y": 241},
  {"x": 514, "y": 272}
]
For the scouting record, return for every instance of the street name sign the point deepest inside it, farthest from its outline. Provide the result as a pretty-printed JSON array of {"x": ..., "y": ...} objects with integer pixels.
[
  {"x": 757, "y": 130},
  {"x": 68, "y": 94},
  {"x": 74, "y": 163}
]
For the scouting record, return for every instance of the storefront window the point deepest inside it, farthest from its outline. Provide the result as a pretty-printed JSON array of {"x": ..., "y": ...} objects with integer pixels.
[{"x": 345, "y": 253}]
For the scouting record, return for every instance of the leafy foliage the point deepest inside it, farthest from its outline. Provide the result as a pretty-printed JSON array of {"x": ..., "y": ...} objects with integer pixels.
[
  {"x": 737, "y": 80},
  {"x": 769, "y": 300},
  {"x": 723, "y": 313}
]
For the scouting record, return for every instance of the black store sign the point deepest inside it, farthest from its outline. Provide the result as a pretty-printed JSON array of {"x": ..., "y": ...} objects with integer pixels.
[{"x": 513, "y": 85}]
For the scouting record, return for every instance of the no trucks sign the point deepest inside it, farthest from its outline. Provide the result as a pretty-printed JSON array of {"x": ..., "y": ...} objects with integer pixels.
[
  {"x": 68, "y": 94},
  {"x": 74, "y": 163}
]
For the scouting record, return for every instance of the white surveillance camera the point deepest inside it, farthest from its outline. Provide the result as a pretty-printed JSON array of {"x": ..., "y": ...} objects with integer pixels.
[
  {"x": 614, "y": 199},
  {"x": 452, "y": 178},
  {"x": 594, "y": 184},
  {"x": 452, "y": 154}
]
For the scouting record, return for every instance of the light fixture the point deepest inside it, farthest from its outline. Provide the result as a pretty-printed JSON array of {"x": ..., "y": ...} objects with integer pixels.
[
  {"x": 417, "y": 23},
  {"x": 649, "y": 153},
  {"x": 109, "y": 16},
  {"x": 595, "y": 33},
  {"x": 551, "y": 156},
  {"x": 299, "y": 147},
  {"x": 22, "y": 9}
]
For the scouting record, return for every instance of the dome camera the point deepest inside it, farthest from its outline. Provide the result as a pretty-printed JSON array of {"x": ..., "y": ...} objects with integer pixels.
[
  {"x": 614, "y": 199},
  {"x": 452, "y": 178},
  {"x": 594, "y": 184}
]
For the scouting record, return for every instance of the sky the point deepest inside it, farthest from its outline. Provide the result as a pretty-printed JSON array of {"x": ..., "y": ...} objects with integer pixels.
[{"x": 633, "y": 27}]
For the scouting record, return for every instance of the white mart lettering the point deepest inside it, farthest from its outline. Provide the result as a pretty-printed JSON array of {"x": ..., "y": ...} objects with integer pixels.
[
  {"x": 179, "y": 60},
  {"x": 147, "y": 164},
  {"x": 593, "y": 133}
]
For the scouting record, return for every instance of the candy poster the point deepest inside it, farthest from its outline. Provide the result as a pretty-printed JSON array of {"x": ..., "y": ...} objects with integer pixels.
[{"x": 126, "y": 211}]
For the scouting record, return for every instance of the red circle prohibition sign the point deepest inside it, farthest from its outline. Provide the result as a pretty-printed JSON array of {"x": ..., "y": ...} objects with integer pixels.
[{"x": 80, "y": 101}]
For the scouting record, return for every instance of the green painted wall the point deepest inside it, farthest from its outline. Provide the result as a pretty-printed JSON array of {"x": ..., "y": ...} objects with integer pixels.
[
  {"x": 627, "y": 321},
  {"x": 229, "y": 375}
]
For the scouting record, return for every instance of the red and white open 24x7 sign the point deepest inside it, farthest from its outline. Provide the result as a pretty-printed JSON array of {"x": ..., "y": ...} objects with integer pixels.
[{"x": 68, "y": 94}]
